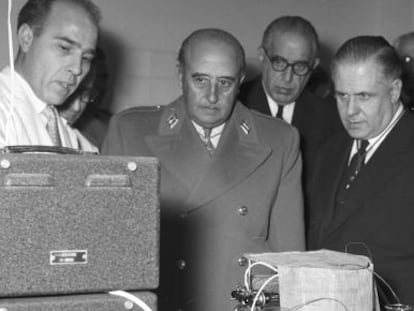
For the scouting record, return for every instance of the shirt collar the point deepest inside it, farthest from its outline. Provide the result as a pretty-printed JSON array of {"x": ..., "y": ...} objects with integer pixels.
[
  {"x": 214, "y": 131},
  {"x": 273, "y": 104},
  {"x": 21, "y": 83}
]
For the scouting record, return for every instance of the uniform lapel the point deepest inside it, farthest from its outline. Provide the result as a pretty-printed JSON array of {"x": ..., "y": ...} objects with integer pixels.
[
  {"x": 237, "y": 155},
  {"x": 176, "y": 145}
]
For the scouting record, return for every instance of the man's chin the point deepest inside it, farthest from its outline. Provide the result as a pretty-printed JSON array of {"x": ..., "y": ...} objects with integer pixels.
[{"x": 284, "y": 99}]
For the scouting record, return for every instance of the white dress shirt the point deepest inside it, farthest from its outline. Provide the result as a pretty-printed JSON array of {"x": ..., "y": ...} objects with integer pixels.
[
  {"x": 376, "y": 141},
  {"x": 215, "y": 133},
  {"x": 23, "y": 122}
]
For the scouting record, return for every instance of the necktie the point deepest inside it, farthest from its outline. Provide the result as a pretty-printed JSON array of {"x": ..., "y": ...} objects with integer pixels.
[
  {"x": 352, "y": 170},
  {"x": 279, "y": 113},
  {"x": 52, "y": 124},
  {"x": 207, "y": 140}
]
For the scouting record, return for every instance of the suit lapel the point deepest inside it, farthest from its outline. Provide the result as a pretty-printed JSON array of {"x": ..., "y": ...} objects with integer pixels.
[
  {"x": 257, "y": 99},
  {"x": 330, "y": 178},
  {"x": 299, "y": 113},
  {"x": 369, "y": 182},
  {"x": 237, "y": 155}
]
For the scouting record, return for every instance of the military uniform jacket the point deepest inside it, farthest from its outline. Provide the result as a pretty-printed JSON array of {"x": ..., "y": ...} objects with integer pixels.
[
  {"x": 245, "y": 198},
  {"x": 315, "y": 118},
  {"x": 376, "y": 217}
]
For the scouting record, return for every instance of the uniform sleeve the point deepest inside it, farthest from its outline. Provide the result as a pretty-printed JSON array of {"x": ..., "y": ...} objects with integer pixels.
[
  {"x": 113, "y": 143},
  {"x": 287, "y": 229}
]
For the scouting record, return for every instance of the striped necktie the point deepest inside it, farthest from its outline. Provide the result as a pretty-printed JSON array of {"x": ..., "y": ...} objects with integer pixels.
[
  {"x": 52, "y": 127},
  {"x": 207, "y": 140},
  {"x": 352, "y": 170}
]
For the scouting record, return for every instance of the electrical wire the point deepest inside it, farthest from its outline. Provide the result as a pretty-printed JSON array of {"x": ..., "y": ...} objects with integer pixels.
[
  {"x": 12, "y": 70},
  {"x": 131, "y": 298},
  {"x": 249, "y": 268}
]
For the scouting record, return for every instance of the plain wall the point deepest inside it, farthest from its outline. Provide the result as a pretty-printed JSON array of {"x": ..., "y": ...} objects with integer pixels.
[{"x": 141, "y": 37}]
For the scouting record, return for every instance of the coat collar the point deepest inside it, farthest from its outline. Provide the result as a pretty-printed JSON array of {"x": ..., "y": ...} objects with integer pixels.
[{"x": 181, "y": 152}]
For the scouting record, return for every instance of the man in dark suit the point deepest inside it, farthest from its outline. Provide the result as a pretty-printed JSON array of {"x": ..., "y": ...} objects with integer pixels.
[
  {"x": 362, "y": 198},
  {"x": 288, "y": 54},
  {"x": 230, "y": 178}
]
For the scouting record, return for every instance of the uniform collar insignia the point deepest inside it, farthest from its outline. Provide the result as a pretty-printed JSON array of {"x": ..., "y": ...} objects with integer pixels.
[
  {"x": 245, "y": 127},
  {"x": 172, "y": 121}
]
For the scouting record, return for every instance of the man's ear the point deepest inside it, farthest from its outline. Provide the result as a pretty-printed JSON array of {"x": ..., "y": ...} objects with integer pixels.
[
  {"x": 396, "y": 87},
  {"x": 261, "y": 55},
  {"x": 243, "y": 76},
  {"x": 316, "y": 63},
  {"x": 25, "y": 37},
  {"x": 180, "y": 74}
]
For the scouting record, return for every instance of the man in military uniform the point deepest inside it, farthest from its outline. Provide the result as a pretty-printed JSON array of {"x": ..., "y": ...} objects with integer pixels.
[{"x": 230, "y": 178}]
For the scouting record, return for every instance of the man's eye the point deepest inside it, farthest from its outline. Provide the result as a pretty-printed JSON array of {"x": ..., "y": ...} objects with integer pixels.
[
  {"x": 200, "y": 80},
  {"x": 363, "y": 96},
  {"x": 341, "y": 97},
  {"x": 64, "y": 48},
  {"x": 225, "y": 83},
  {"x": 87, "y": 59}
]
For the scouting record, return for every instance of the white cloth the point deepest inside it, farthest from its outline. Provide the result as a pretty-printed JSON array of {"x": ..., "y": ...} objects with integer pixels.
[{"x": 23, "y": 123}]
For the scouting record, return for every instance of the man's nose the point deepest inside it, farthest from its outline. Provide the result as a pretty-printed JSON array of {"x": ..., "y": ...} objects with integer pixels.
[
  {"x": 77, "y": 105},
  {"x": 352, "y": 106},
  {"x": 75, "y": 65},
  {"x": 212, "y": 93},
  {"x": 288, "y": 74}
]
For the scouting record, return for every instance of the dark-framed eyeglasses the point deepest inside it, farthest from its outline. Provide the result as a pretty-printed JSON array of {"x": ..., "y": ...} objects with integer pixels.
[
  {"x": 301, "y": 68},
  {"x": 88, "y": 95}
]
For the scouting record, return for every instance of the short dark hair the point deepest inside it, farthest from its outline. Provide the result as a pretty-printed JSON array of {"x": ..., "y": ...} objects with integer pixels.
[
  {"x": 35, "y": 12},
  {"x": 363, "y": 48},
  {"x": 212, "y": 34},
  {"x": 291, "y": 24}
]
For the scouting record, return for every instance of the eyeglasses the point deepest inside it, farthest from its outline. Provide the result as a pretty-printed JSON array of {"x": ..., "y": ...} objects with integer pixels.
[
  {"x": 301, "y": 68},
  {"x": 88, "y": 95}
]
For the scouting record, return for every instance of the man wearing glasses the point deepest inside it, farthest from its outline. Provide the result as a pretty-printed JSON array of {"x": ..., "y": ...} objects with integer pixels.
[
  {"x": 404, "y": 45},
  {"x": 288, "y": 54}
]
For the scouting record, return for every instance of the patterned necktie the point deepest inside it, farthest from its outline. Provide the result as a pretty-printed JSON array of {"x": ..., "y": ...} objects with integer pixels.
[
  {"x": 207, "y": 140},
  {"x": 279, "y": 113},
  {"x": 352, "y": 170},
  {"x": 52, "y": 124}
]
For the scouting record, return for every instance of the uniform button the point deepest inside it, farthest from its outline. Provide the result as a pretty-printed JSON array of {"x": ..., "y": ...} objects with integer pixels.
[
  {"x": 181, "y": 264},
  {"x": 242, "y": 261},
  {"x": 243, "y": 211}
]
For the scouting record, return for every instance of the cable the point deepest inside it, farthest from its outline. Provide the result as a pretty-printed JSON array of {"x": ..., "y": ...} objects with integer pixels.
[
  {"x": 11, "y": 62},
  {"x": 261, "y": 290},
  {"x": 249, "y": 268},
  {"x": 131, "y": 298}
]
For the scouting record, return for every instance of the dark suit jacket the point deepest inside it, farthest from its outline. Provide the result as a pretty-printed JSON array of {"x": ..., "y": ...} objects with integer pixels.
[
  {"x": 246, "y": 198},
  {"x": 314, "y": 117},
  {"x": 378, "y": 211}
]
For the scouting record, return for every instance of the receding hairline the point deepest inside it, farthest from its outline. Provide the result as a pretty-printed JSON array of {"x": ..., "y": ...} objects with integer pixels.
[
  {"x": 296, "y": 25},
  {"x": 36, "y": 15},
  {"x": 211, "y": 36},
  {"x": 375, "y": 49}
]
